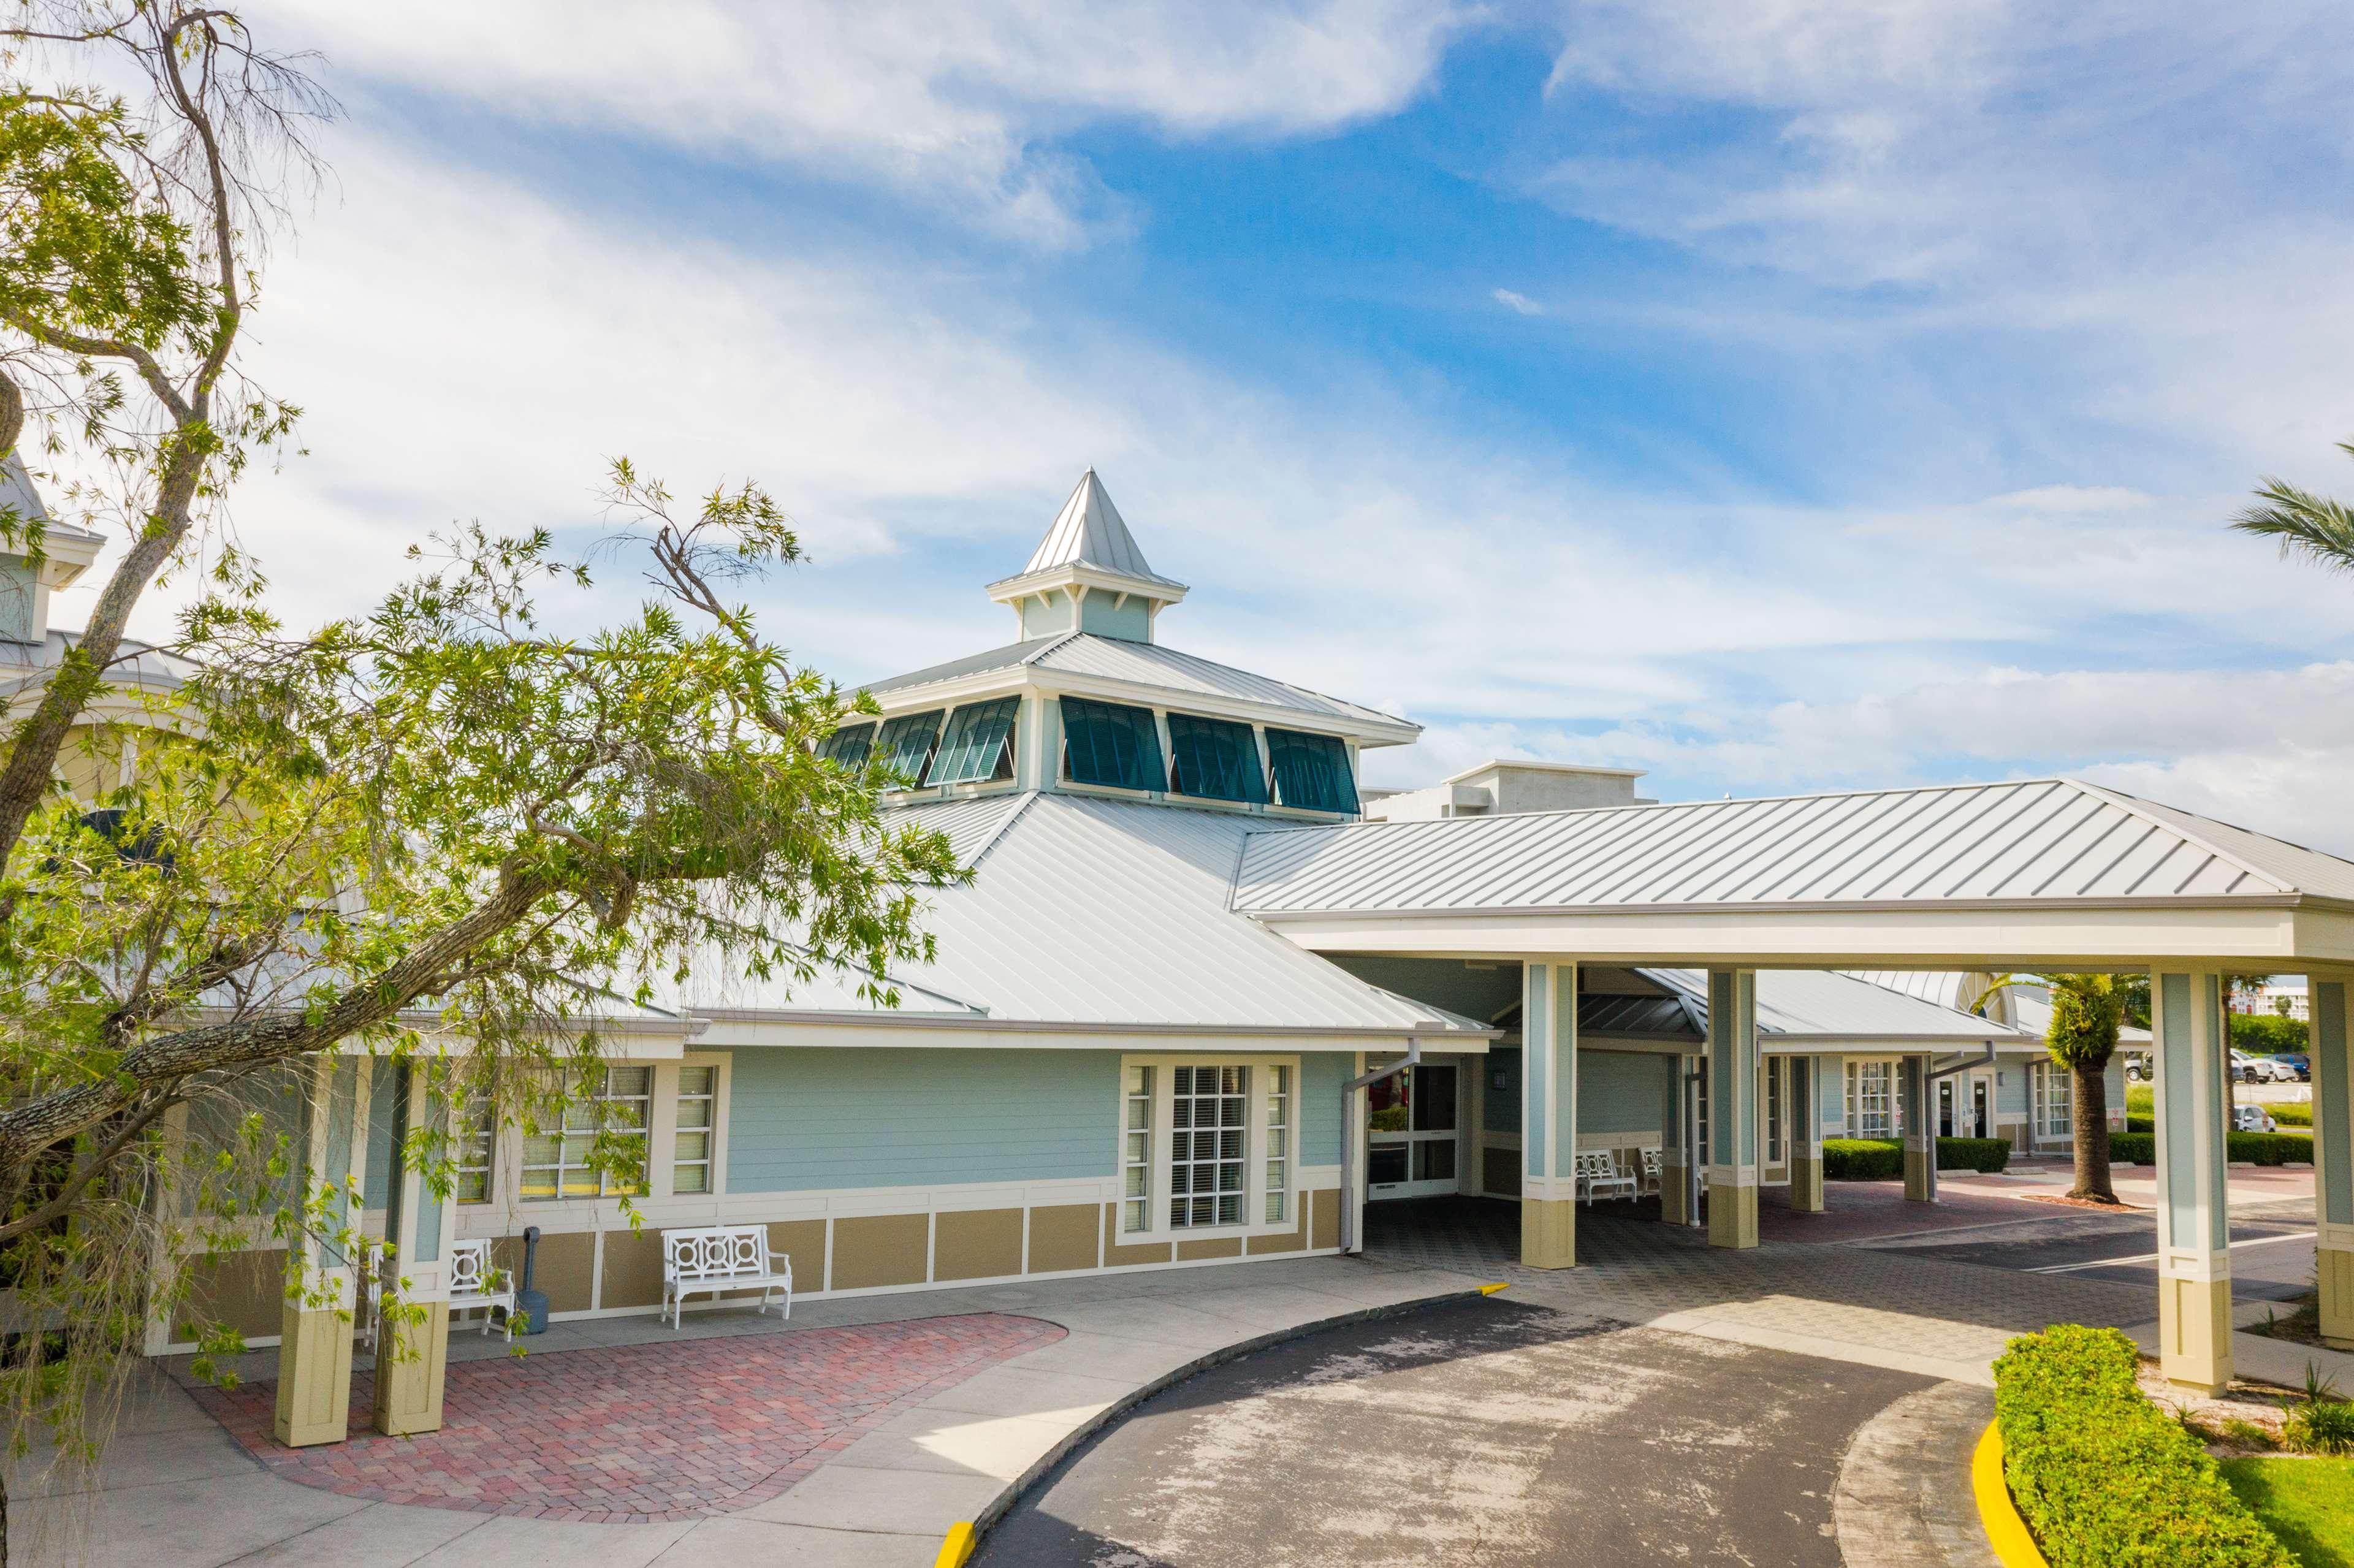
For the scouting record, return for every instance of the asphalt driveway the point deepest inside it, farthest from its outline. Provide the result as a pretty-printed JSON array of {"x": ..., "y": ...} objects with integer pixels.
[{"x": 1482, "y": 1433}]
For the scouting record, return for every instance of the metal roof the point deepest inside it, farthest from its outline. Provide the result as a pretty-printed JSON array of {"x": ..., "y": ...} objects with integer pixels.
[
  {"x": 1825, "y": 1004},
  {"x": 2041, "y": 842},
  {"x": 1088, "y": 532},
  {"x": 1141, "y": 664},
  {"x": 1098, "y": 913}
]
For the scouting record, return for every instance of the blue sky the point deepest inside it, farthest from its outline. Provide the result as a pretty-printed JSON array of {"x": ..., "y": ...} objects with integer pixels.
[{"x": 1770, "y": 395}]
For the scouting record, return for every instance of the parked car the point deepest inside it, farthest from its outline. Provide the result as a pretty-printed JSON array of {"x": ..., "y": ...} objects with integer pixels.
[
  {"x": 2299, "y": 1065},
  {"x": 2277, "y": 1069},
  {"x": 2253, "y": 1118},
  {"x": 2138, "y": 1069}
]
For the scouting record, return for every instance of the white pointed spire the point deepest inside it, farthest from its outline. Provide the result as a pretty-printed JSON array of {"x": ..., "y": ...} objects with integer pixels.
[{"x": 1088, "y": 532}]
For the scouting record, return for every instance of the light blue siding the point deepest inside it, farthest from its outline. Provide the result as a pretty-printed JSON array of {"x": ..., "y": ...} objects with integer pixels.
[
  {"x": 1830, "y": 1098},
  {"x": 801, "y": 1119},
  {"x": 2011, "y": 1089},
  {"x": 1620, "y": 1091},
  {"x": 1131, "y": 620},
  {"x": 1322, "y": 1075},
  {"x": 1500, "y": 1108}
]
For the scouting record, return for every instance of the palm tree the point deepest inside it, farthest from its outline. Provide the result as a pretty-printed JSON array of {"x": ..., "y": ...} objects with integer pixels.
[
  {"x": 2314, "y": 526},
  {"x": 2088, "y": 1011}
]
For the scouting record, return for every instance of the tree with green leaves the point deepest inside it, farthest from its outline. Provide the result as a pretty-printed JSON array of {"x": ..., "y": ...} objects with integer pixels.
[
  {"x": 2088, "y": 1011},
  {"x": 457, "y": 830}
]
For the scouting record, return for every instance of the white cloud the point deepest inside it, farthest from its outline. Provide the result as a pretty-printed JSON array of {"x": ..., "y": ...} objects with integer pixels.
[
  {"x": 1520, "y": 304},
  {"x": 953, "y": 104}
]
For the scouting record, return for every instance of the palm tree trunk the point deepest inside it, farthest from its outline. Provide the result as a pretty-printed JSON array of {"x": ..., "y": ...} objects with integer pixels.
[{"x": 2090, "y": 1115}]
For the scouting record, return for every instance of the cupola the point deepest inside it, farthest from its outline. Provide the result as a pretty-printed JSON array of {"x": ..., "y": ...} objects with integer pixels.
[{"x": 1087, "y": 575}]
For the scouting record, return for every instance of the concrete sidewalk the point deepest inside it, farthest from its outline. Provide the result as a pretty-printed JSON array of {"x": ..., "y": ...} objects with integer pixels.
[{"x": 177, "y": 1489}]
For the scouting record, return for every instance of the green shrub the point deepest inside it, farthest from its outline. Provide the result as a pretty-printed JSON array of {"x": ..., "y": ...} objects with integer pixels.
[
  {"x": 2132, "y": 1149},
  {"x": 2267, "y": 1033},
  {"x": 2103, "y": 1477},
  {"x": 2321, "y": 1426},
  {"x": 1863, "y": 1160},
  {"x": 2139, "y": 1147},
  {"x": 1986, "y": 1155},
  {"x": 2293, "y": 1115},
  {"x": 2139, "y": 1124}
]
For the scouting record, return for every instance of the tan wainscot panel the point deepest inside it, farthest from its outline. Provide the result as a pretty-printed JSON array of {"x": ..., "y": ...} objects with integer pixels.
[
  {"x": 565, "y": 1266},
  {"x": 879, "y": 1249},
  {"x": 246, "y": 1290},
  {"x": 1214, "y": 1247},
  {"x": 1290, "y": 1241},
  {"x": 804, "y": 1241},
  {"x": 1118, "y": 1257},
  {"x": 1327, "y": 1226},
  {"x": 633, "y": 1268},
  {"x": 1063, "y": 1236},
  {"x": 976, "y": 1243}
]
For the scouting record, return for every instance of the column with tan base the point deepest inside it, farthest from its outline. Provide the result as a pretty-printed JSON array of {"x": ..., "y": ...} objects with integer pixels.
[
  {"x": 1805, "y": 1135},
  {"x": 1920, "y": 1129},
  {"x": 2332, "y": 1056},
  {"x": 1677, "y": 1163},
  {"x": 2194, "y": 1260},
  {"x": 314, "y": 1347},
  {"x": 413, "y": 1352},
  {"x": 1549, "y": 1116},
  {"x": 1733, "y": 1067}
]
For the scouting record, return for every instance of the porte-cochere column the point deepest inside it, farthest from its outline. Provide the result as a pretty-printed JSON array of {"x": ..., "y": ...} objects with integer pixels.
[
  {"x": 2194, "y": 1264},
  {"x": 314, "y": 1347},
  {"x": 1733, "y": 1173},
  {"x": 2332, "y": 1055},
  {"x": 1549, "y": 1116}
]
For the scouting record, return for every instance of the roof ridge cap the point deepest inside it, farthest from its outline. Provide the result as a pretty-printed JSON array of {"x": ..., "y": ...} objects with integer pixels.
[
  {"x": 1029, "y": 799},
  {"x": 2134, "y": 805}
]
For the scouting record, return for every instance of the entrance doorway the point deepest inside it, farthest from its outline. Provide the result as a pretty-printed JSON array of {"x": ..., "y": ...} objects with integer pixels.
[
  {"x": 1963, "y": 1110},
  {"x": 1411, "y": 1133}
]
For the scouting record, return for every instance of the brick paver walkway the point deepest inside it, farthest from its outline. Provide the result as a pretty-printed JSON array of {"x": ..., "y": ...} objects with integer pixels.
[{"x": 641, "y": 1433}]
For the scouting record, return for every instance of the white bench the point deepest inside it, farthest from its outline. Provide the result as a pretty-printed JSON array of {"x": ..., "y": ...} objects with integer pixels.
[
  {"x": 718, "y": 1258},
  {"x": 474, "y": 1283},
  {"x": 1653, "y": 1168},
  {"x": 1597, "y": 1174}
]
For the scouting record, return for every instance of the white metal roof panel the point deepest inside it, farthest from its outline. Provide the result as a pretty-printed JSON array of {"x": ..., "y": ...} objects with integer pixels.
[
  {"x": 2039, "y": 840},
  {"x": 1089, "y": 531}
]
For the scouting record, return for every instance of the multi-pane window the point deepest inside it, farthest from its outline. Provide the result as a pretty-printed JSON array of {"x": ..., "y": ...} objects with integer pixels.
[
  {"x": 1870, "y": 1099},
  {"x": 1209, "y": 1121},
  {"x": 698, "y": 1097},
  {"x": 1136, "y": 1159},
  {"x": 1774, "y": 1072},
  {"x": 477, "y": 1137},
  {"x": 2059, "y": 1107},
  {"x": 555, "y": 1164},
  {"x": 1279, "y": 1143}
]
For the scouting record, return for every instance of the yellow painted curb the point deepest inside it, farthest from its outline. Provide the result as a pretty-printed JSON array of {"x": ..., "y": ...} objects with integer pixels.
[
  {"x": 2006, "y": 1531},
  {"x": 956, "y": 1548},
  {"x": 1491, "y": 1289}
]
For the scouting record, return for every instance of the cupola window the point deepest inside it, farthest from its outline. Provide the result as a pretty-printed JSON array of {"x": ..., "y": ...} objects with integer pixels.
[
  {"x": 849, "y": 744},
  {"x": 905, "y": 744},
  {"x": 976, "y": 745},
  {"x": 1311, "y": 771},
  {"x": 1110, "y": 744},
  {"x": 1216, "y": 759}
]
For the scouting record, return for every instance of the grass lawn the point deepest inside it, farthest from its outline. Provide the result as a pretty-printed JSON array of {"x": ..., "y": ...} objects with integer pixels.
[{"x": 2308, "y": 1503}]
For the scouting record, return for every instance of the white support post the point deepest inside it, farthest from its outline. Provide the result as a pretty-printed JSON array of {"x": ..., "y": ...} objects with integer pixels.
[
  {"x": 1549, "y": 1116},
  {"x": 1733, "y": 1173},
  {"x": 1919, "y": 1116},
  {"x": 1804, "y": 1114},
  {"x": 413, "y": 1352},
  {"x": 2194, "y": 1264}
]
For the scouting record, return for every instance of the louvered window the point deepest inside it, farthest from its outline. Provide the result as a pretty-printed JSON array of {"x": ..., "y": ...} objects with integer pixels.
[
  {"x": 1106, "y": 743},
  {"x": 1136, "y": 1204},
  {"x": 1279, "y": 1143},
  {"x": 1311, "y": 771},
  {"x": 849, "y": 744},
  {"x": 1216, "y": 759},
  {"x": 905, "y": 744},
  {"x": 1209, "y": 1139},
  {"x": 976, "y": 745}
]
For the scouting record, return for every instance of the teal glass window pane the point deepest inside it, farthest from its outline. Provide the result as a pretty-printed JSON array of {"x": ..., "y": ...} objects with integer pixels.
[
  {"x": 974, "y": 743},
  {"x": 905, "y": 744},
  {"x": 1311, "y": 771},
  {"x": 1106, "y": 743},
  {"x": 1214, "y": 758},
  {"x": 849, "y": 744}
]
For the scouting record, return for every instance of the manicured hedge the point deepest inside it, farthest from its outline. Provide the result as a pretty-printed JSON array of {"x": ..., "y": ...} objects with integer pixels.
[
  {"x": 1863, "y": 1160},
  {"x": 2103, "y": 1477},
  {"x": 1882, "y": 1159},
  {"x": 2256, "y": 1148}
]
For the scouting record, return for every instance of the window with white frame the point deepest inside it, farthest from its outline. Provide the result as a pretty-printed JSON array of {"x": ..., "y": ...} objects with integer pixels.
[
  {"x": 477, "y": 1143},
  {"x": 1209, "y": 1137},
  {"x": 2057, "y": 1100},
  {"x": 694, "y": 1121},
  {"x": 1136, "y": 1157},
  {"x": 1870, "y": 1099},
  {"x": 555, "y": 1164},
  {"x": 1279, "y": 1144}
]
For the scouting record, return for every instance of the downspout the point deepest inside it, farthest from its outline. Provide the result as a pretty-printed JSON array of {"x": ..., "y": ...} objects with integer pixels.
[{"x": 1350, "y": 1241}]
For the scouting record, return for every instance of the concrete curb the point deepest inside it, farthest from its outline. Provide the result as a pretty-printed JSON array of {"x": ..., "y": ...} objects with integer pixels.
[
  {"x": 965, "y": 1537},
  {"x": 2006, "y": 1531}
]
